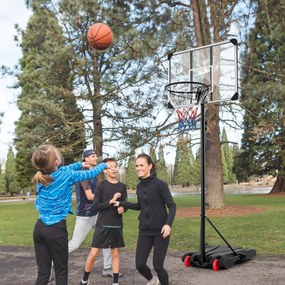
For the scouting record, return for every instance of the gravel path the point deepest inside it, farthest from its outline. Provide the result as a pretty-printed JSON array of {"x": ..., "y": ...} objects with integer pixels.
[{"x": 18, "y": 267}]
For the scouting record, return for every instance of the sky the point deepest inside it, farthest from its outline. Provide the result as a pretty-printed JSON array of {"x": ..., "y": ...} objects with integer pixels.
[{"x": 11, "y": 12}]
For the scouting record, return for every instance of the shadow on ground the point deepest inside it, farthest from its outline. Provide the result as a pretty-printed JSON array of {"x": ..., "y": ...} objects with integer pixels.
[{"x": 18, "y": 266}]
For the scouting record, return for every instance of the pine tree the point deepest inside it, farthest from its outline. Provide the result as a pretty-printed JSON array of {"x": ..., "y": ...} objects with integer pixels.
[
  {"x": 2, "y": 181},
  {"x": 195, "y": 169},
  {"x": 10, "y": 174},
  {"x": 225, "y": 167},
  {"x": 263, "y": 85},
  {"x": 240, "y": 167},
  {"x": 131, "y": 175},
  {"x": 49, "y": 113},
  {"x": 182, "y": 166},
  {"x": 162, "y": 172},
  {"x": 227, "y": 158}
]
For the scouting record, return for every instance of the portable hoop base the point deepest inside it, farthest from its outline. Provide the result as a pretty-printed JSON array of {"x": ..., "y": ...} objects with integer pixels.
[
  {"x": 218, "y": 257},
  {"x": 215, "y": 257}
]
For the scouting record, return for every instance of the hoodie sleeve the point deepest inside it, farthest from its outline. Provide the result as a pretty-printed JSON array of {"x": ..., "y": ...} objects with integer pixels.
[{"x": 168, "y": 200}]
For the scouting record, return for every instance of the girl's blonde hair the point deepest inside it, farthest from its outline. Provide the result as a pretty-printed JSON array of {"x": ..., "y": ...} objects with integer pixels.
[{"x": 43, "y": 160}]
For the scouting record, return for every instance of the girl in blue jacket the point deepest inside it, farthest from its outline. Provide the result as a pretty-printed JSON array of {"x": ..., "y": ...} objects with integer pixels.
[{"x": 54, "y": 203}]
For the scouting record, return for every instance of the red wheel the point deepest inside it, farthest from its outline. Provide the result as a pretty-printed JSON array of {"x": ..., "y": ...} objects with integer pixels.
[
  {"x": 216, "y": 265},
  {"x": 187, "y": 262}
]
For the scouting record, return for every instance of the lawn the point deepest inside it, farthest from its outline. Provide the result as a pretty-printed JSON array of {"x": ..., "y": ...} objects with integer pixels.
[{"x": 264, "y": 232}]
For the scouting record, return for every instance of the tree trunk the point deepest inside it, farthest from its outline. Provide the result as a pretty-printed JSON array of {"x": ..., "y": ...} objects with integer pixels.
[
  {"x": 213, "y": 166},
  {"x": 97, "y": 109},
  {"x": 215, "y": 196},
  {"x": 279, "y": 185}
]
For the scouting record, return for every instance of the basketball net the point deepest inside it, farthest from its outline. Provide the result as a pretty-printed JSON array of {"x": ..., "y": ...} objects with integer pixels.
[
  {"x": 186, "y": 97},
  {"x": 187, "y": 117}
]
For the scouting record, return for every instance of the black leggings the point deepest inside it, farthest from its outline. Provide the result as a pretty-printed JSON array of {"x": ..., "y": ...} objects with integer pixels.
[
  {"x": 144, "y": 246},
  {"x": 51, "y": 243}
]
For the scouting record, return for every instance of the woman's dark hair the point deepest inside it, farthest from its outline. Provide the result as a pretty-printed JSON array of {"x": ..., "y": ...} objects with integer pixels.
[{"x": 149, "y": 161}]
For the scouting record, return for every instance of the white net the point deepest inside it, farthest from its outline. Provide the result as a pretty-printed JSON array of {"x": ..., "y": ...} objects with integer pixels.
[{"x": 186, "y": 98}]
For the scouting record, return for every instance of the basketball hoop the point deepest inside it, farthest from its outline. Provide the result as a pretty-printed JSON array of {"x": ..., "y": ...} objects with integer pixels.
[{"x": 186, "y": 98}]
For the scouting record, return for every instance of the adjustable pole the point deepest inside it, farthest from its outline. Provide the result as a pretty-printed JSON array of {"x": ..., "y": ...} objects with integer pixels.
[{"x": 203, "y": 202}]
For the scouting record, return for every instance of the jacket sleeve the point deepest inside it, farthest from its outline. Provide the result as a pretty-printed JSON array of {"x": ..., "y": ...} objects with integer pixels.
[
  {"x": 73, "y": 166},
  {"x": 133, "y": 206},
  {"x": 88, "y": 174},
  {"x": 168, "y": 200},
  {"x": 125, "y": 197}
]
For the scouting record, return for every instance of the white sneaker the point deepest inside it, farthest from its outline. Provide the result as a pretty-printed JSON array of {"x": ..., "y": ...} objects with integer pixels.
[
  {"x": 154, "y": 281},
  {"x": 109, "y": 273}
]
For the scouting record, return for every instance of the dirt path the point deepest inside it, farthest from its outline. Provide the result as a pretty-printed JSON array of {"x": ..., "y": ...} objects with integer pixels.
[{"x": 18, "y": 267}]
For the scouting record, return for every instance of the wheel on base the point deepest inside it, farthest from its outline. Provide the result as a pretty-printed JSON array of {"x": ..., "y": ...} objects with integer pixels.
[
  {"x": 216, "y": 265},
  {"x": 187, "y": 261}
]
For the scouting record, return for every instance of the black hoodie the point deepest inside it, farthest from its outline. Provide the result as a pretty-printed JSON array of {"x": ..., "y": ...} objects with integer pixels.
[{"x": 153, "y": 196}]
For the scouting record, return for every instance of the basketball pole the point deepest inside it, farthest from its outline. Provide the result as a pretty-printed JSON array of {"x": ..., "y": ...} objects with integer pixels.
[
  {"x": 203, "y": 199},
  {"x": 203, "y": 193},
  {"x": 217, "y": 256}
]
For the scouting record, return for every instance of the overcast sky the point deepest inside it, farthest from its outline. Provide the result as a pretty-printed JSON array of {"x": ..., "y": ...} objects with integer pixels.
[{"x": 11, "y": 12}]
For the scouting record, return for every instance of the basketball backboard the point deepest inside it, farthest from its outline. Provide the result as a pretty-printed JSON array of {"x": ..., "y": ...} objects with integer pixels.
[{"x": 215, "y": 65}]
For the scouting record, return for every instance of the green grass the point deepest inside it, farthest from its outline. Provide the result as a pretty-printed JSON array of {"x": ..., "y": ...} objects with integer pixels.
[{"x": 264, "y": 232}]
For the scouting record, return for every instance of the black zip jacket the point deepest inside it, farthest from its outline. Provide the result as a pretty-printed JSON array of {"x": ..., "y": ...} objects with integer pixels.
[{"x": 153, "y": 197}]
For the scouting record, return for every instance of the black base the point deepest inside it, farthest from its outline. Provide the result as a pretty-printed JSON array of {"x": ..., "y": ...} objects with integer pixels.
[{"x": 218, "y": 257}]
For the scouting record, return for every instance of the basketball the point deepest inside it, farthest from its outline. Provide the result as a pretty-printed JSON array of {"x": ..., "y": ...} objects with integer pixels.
[{"x": 100, "y": 36}]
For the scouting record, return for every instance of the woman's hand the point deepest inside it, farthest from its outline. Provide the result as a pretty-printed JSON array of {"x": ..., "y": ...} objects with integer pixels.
[
  {"x": 120, "y": 209},
  {"x": 165, "y": 231}
]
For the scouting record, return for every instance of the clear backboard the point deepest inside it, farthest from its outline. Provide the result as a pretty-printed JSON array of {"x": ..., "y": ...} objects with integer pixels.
[{"x": 214, "y": 65}]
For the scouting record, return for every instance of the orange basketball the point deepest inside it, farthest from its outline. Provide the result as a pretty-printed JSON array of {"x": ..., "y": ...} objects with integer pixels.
[{"x": 100, "y": 36}]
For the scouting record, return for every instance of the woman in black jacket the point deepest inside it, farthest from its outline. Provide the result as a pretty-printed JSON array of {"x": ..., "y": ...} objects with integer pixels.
[{"x": 154, "y": 220}]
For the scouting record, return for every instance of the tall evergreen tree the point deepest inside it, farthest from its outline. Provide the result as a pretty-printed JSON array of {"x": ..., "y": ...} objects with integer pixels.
[
  {"x": 182, "y": 166},
  {"x": 49, "y": 113},
  {"x": 227, "y": 158},
  {"x": 10, "y": 174},
  {"x": 197, "y": 168},
  {"x": 240, "y": 166},
  {"x": 195, "y": 163},
  {"x": 162, "y": 172},
  {"x": 2, "y": 181},
  {"x": 263, "y": 85},
  {"x": 131, "y": 175},
  {"x": 225, "y": 167}
]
